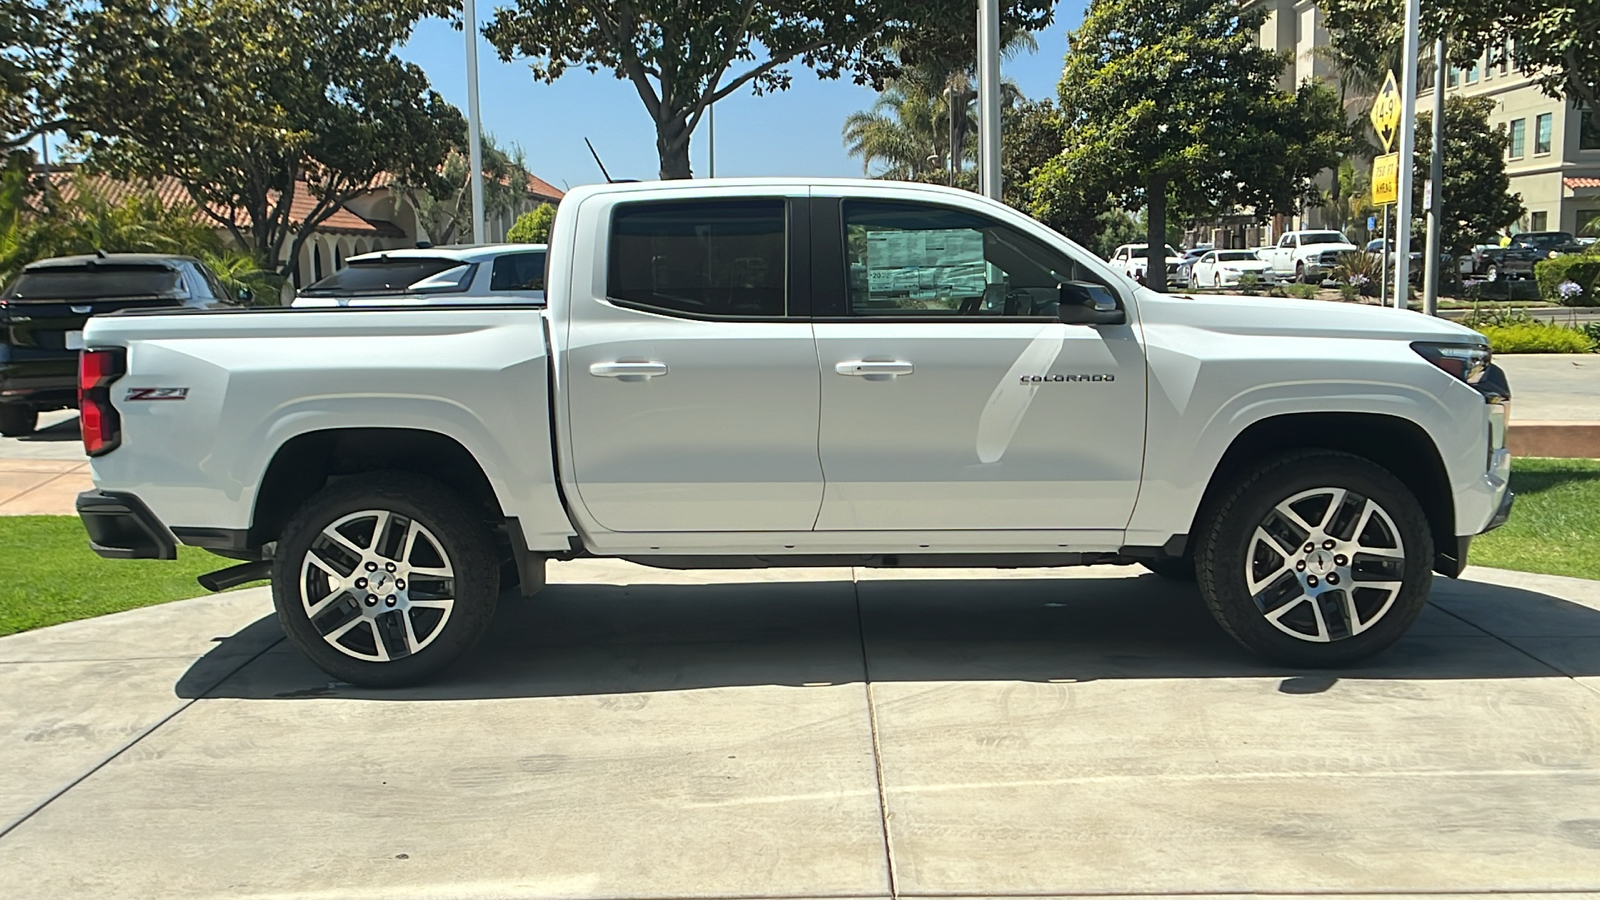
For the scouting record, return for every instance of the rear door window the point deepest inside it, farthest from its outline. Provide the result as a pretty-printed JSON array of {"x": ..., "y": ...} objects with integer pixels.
[
  {"x": 94, "y": 282},
  {"x": 700, "y": 257}
]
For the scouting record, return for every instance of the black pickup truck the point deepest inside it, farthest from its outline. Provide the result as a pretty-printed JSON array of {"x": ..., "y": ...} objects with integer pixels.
[
  {"x": 1516, "y": 260},
  {"x": 43, "y": 310}
]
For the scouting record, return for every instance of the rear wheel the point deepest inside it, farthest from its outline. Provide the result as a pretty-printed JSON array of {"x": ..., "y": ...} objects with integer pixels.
[
  {"x": 1492, "y": 273},
  {"x": 383, "y": 580},
  {"x": 1316, "y": 559},
  {"x": 16, "y": 421}
]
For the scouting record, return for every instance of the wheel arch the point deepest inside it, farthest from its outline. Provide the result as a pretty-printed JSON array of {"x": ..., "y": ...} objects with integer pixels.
[{"x": 1398, "y": 445}]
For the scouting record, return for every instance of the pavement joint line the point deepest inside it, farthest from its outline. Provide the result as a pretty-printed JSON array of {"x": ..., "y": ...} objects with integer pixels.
[
  {"x": 1310, "y": 892},
  {"x": 877, "y": 746},
  {"x": 1549, "y": 665},
  {"x": 129, "y": 744},
  {"x": 26, "y": 491}
]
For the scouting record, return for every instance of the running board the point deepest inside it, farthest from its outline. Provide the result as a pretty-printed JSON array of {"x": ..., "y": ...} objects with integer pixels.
[{"x": 233, "y": 576}]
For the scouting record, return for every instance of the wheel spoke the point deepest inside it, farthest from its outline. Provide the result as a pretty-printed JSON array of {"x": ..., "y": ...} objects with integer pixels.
[
  {"x": 343, "y": 541},
  {"x": 412, "y": 644},
  {"x": 1332, "y": 511},
  {"x": 377, "y": 640},
  {"x": 412, "y": 530},
  {"x": 1282, "y": 551},
  {"x": 334, "y": 635}
]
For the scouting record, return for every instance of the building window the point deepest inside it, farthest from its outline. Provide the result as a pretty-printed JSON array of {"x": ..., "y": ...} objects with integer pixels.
[
  {"x": 1589, "y": 221},
  {"x": 1472, "y": 74},
  {"x": 1589, "y": 131},
  {"x": 1540, "y": 221},
  {"x": 1455, "y": 77},
  {"x": 1519, "y": 138},
  {"x": 1543, "y": 132}
]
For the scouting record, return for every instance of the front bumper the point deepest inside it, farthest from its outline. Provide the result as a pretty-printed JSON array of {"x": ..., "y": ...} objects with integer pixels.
[{"x": 120, "y": 526}]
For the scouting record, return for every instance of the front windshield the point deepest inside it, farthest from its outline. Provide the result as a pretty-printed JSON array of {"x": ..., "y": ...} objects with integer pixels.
[
  {"x": 1548, "y": 239},
  {"x": 1322, "y": 237},
  {"x": 1237, "y": 256},
  {"x": 386, "y": 275},
  {"x": 1144, "y": 250}
]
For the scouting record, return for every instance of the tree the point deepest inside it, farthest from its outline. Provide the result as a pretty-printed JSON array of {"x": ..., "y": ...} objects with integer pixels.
[
  {"x": 533, "y": 227},
  {"x": 1173, "y": 102},
  {"x": 682, "y": 57},
  {"x": 906, "y": 131},
  {"x": 32, "y": 34},
  {"x": 443, "y": 199},
  {"x": 241, "y": 99},
  {"x": 1476, "y": 192},
  {"x": 1557, "y": 41}
]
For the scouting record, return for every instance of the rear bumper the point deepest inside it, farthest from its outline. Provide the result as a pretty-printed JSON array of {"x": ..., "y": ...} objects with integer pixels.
[
  {"x": 120, "y": 526},
  {"x": 44, "y": 383}
]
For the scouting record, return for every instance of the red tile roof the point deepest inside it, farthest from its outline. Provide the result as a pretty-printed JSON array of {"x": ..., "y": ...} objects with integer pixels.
[
  {"x": 171, "y": 192},
  {"x": 542, "y": 189},
  {"x": 1576, "y": 183}
]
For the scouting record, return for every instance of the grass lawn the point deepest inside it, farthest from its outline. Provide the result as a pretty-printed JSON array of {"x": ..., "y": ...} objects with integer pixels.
[
  {"x": 52, "y": 576},
  {"x": 1555, "y": 526}
]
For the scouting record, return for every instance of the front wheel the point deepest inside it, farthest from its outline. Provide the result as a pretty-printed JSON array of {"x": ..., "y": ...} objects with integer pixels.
[
  {"x": 17, "y": 421},
  {"x": 1316, "y": 558},
  {"x": 383, "y": 580},
  {"x": 1492, "y": 273}
]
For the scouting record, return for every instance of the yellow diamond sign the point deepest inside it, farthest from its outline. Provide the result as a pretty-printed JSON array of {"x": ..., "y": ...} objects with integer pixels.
[
  {"x": 1386, "y": 179},
  {"x": 1386, "y": 112}
]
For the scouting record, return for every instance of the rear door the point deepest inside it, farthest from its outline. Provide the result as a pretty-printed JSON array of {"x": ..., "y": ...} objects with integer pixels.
[
  {"x": 690, "y": 370},
  {"x": 953, "y": 397}
]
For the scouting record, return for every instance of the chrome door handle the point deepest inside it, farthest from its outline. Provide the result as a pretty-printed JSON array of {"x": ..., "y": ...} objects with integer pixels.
[
  {"x": 874, "y": 369},
  {"x": 628, "y": 370}
]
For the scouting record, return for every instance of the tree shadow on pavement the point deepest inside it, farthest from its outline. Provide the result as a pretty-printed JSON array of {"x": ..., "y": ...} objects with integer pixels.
[{"x": 587, "y": 639}]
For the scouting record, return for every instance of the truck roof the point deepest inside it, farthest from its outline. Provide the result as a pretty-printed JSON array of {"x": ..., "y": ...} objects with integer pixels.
[
  {"x": 65, "y": 262},
  {"x": 796, "y": 182}
]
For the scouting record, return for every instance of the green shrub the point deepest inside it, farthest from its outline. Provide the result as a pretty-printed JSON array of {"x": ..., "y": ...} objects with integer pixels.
[
  {"x": 1301, "y": 291},
  {"x": 1536, "y": 337},
  {"x": 1580, "y": 269},
  {"x": 532, "y": 227}
]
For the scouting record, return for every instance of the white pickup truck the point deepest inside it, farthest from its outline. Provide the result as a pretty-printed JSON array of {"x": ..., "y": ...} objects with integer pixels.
[
  {"x": 1308, "y": 256},
  {"x": 751, "y": 373}
]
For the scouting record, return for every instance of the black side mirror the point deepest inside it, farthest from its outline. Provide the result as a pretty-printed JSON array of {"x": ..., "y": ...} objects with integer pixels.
[
  {"x": 1089, "y": 304},
  {"x": 246, "y": 295}
]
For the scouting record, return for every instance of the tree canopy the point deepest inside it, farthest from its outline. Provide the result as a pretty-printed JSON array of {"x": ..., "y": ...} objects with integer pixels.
[
  {"x": 1173, "y": 102},
  {"x": 32, "y": 33},
  {"x": 1557, "y": 41},
  {"x": 1476, "y": 192},
  {"x": 443, "y": 198},
  {"x": 240, "y": 99},
  {"x": 681, "y": 56}
]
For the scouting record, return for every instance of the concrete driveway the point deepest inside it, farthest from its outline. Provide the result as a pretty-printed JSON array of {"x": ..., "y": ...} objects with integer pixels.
[{"x": 825, "y": 733}]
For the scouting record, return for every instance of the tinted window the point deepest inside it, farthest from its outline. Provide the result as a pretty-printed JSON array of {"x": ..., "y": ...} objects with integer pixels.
[
  {"x": 518, "y": 272},
  {"x": 914, "y": 259},
  {"x": 1322, "y": 237},
  {"x": 708, "y": 257},
  {"x": 1237, "y": 256},
  {"x": 213, "y": 284},
  {"x": 94, "y": 281},
  {"x": 388, "y": 276}
]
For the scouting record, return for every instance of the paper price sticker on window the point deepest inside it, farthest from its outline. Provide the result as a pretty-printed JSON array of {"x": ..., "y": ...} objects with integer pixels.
[{"x": 1386, "y": 179}]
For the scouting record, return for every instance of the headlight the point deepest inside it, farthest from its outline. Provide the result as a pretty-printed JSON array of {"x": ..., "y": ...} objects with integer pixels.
[
  {"x": 1464, "y": 361},
  {"x": 1552, "y": 255}
]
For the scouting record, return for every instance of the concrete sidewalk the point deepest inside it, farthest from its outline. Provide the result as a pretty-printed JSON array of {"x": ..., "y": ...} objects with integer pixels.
[
  {"x": 43, "y": 473},
  {"x": 815, "y": 733}
]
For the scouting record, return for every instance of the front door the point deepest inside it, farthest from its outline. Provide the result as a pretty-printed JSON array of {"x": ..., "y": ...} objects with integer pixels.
[
  {"x": 691, "y": 372},
  {"x": 952, "y": 395}
]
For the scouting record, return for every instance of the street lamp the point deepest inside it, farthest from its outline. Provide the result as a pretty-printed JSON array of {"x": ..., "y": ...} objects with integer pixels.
[{"x": 989, "y": 98}]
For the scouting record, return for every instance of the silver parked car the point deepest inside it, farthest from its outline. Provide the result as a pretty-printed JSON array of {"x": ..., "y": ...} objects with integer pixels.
[{"x": 432, "y": 276}]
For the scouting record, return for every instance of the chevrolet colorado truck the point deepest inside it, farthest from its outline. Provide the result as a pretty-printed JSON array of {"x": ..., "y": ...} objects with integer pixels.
[{"x": 749, "y": 373}]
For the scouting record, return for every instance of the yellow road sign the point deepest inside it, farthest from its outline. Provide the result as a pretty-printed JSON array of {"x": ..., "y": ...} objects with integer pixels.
[
  {"x": 1386, "y": 179},
  {"x": 1386, "y": 112}
]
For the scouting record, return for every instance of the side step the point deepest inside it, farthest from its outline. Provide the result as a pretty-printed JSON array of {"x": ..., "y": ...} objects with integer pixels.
[{"x": 233, "y": 576}]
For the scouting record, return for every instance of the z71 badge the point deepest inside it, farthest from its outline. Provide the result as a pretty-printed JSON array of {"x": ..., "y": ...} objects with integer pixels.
[{"x": 157, "y": 393}]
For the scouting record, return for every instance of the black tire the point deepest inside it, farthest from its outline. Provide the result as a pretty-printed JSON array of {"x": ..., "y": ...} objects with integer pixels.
[
  {"x": 1353, "y": 623},
  {"x": 17, "y": 421},
  {"x": 449, "y": 532},
  {"x": 1172, "y": 568}
]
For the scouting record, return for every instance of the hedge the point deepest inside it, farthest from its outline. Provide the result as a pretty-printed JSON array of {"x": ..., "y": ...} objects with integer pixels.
[
  {"x": 1581, "y": 269},
  {"x": 1536, "y": 337}
]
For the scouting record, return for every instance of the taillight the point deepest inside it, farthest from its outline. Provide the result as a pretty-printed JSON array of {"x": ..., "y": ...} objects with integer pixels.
[{"x": 97, "y": 418}]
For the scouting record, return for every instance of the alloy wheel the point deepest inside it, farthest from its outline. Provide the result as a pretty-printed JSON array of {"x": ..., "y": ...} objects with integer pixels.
[
  {"x": 1325, "y": 564},
  {"x": 377, "y": 585}
]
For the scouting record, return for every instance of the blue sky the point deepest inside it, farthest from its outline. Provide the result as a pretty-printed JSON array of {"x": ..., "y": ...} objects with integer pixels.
[{"x": 794, "y": 132}]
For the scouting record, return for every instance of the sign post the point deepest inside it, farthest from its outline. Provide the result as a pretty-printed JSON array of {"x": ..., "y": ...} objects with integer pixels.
[{"x": 1386, "y": 173}]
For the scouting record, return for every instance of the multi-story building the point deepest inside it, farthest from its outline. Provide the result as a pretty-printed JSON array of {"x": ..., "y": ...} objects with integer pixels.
[{"x": 1554, "y": 157}]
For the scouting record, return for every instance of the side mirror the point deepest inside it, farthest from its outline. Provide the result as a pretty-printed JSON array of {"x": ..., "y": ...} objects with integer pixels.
[
  {"x": 246, "y": 295},
  {"x": 1089, "y": 304}
]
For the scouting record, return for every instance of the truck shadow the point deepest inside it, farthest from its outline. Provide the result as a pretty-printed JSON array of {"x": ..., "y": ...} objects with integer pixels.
[{"x": 591, "y": 639}]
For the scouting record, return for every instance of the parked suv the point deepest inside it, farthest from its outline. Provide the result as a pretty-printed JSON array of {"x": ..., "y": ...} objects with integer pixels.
[
  {"x": 1517, "y": 260},
  {"x": 43, "y": 310},
  {"x": 432, "y": 276}
]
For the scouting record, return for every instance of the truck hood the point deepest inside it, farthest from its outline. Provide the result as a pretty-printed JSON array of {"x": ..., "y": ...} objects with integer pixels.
[{"x": 1270, "y": 316}]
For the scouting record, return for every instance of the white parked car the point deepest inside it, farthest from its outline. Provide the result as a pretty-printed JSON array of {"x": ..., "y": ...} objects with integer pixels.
[
  {"x": 1133, "y": 259},
  {"x": 433, "y": 276},
  {"x": 1308, "y": 256},
  {"x": 710, "y": 386},
  {"x": 1224, "y": 268}
]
